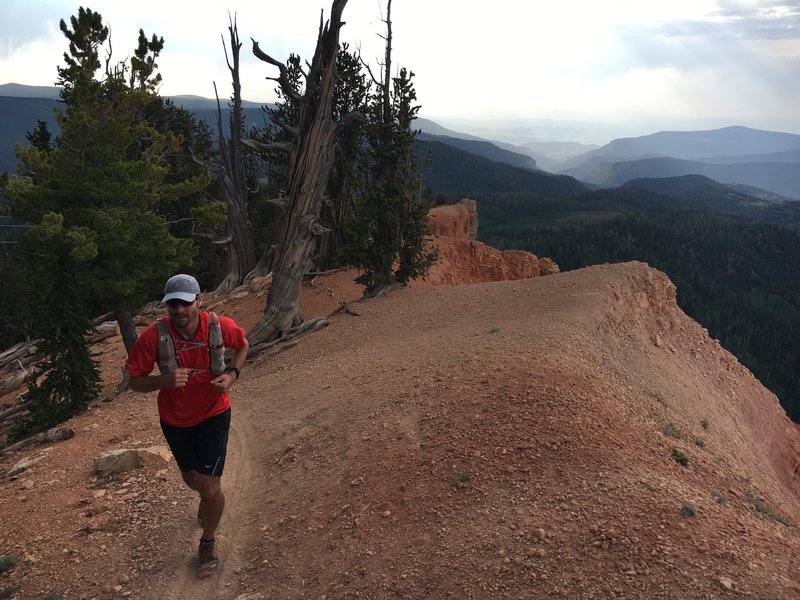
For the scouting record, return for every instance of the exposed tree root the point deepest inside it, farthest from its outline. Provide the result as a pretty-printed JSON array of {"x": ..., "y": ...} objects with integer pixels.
[
  {"x": 311, "y": 325},
  {"x": 380, "y": 291},
  {"x": 344, "y": 307}
]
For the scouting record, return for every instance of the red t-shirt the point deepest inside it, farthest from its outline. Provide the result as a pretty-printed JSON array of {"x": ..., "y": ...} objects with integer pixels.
[{"x": 198, "y": 400}]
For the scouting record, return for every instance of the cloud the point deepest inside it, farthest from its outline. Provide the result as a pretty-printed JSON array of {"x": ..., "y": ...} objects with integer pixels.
[
  {"x": 763, "y": 19},
  {"x": 25, "y": 22}
]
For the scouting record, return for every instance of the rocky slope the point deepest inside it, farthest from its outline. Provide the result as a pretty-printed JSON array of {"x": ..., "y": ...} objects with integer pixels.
[{"x": 571, "y": 436}]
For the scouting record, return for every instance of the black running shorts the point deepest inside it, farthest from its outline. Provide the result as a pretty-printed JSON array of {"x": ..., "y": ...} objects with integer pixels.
[{"x": 202, "y": 447}]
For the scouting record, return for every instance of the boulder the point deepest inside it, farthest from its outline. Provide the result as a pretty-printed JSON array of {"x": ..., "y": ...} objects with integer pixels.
[
  {"x": 23, "y": 465},
  {"x": 125, "y": 459},
  {"x": 117, "y": 461}
]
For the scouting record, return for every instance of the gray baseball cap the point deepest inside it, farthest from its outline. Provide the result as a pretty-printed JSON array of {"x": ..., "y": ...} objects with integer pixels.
[{"x": 181, "y": 287}]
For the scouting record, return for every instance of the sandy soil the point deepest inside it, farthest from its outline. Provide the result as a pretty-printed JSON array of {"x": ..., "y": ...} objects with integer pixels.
[{"x": 515, "y": 439}]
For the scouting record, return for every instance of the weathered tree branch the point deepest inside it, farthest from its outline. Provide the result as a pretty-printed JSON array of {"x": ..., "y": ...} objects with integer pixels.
[
  {"x": 290, "y": 129},
  {"x": 283, "y": 79},
  {"x": 281, "y": 202},
  {"x": 287, "y": 147}
]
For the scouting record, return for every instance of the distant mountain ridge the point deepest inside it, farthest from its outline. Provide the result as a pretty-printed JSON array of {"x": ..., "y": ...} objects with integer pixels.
[
  {"x": 485, "y": 149},
  {"x": 767, "y": 160},
  {"x": 18, "y": 90},
  {"x": 736, "y": 155},
  {"x": 698, "y": 145},
  {"x": 21, "y": 106}
]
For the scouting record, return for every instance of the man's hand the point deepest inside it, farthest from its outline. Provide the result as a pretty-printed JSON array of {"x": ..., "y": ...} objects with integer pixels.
[
  {"x": 177, "y": 378},
  {"x": 151, "y": 383},
  {"x": 222, "y": 383}
]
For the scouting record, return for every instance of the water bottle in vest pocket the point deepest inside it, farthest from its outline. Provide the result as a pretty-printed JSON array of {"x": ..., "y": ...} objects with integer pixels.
[
  {"x": 216, "y": 345},
  {"x": 167, "y": 363}
]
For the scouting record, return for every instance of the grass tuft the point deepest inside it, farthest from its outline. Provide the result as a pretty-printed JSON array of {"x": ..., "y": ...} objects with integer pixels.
[
  {"x": 9, "y": 591},
  {"x": 688, "y": 509},
  {"x": 719, "y": 498},
  {"x": 671, "y": 430}
]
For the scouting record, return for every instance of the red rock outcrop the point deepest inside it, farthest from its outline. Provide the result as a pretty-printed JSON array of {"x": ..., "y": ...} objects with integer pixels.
[
  {"x": 463, "y": 259},
  {"x": 454, "y": 220}
]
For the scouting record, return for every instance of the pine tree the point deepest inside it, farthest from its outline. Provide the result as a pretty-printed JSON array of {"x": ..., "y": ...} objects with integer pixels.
[
  {"x": 108, "y": 173},
  {"x": 389, "y": 245},
  {"x": 68, "y": 379}
]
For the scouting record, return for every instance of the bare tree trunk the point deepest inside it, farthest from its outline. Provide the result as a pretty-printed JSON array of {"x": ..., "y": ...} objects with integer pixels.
[
  {"x": 241, "y": 257},
  {"x": 122, "y": 313},
  {"x": 386, "y": 88},
  {"x": 311, "y": 159}
]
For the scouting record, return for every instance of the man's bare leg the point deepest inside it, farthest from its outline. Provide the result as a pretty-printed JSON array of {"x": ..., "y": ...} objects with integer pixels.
[{"x": 212, "y": 505}]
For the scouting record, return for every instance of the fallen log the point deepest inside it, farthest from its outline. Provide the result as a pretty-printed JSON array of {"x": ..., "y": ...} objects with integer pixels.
[{"x": 105, "y": 330}]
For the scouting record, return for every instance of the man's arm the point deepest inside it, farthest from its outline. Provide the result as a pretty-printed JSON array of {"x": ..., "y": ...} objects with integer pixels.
[
  {"x": 151, "y": 383},
  {"x": 239, "y": 356},
  {"x": 222, "y": 383}
]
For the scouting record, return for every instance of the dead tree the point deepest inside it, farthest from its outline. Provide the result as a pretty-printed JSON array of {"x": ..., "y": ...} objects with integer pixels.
[
  {"x": 311, "y": 155},
  {"x": 241, "y": 257}
]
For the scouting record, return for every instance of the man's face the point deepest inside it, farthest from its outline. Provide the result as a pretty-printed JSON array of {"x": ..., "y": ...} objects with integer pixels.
[{"x": 183, "y": 314}]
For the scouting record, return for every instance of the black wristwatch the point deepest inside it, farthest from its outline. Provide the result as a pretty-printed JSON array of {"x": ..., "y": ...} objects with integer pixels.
[{"x": 233, "y": 370}]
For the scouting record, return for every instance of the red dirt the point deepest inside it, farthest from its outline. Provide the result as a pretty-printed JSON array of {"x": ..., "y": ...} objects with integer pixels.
[{"x": 494, "y": 440}]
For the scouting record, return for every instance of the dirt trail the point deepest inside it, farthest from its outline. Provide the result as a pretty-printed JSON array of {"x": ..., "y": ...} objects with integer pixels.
[{"x": 231, "y": 537}]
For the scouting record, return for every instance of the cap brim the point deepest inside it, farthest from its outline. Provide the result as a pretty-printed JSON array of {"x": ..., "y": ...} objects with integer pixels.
[{"x": 186, "y": 297}]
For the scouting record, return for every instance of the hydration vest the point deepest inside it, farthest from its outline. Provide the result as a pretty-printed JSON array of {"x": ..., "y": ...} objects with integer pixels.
[{"x": 167, "y": 361}]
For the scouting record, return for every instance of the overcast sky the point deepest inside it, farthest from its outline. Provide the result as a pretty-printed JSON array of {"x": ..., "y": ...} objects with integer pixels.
[{"x": 657, "y": 64}]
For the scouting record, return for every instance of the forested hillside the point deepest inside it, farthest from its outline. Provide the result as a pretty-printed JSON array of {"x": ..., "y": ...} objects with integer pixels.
[
  {"x": 454, "y": 172},
  {"x": 736, "y": 275}
]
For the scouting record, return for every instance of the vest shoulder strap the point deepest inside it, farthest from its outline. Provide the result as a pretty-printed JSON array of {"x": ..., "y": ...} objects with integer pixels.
[{"x": 166, "y": 348}]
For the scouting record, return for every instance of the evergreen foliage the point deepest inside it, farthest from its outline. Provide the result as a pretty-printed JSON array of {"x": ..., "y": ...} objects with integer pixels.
[
  {"x": 68, "y": 379},
  {"x": 387, "y": 242},
  {"x": 375, "y": 209},
  {"x": 339, "y": 213}
]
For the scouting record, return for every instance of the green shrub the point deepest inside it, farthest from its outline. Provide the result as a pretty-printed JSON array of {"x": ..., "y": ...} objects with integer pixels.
[
  {"x": 9, "y": 591},
  {"x": 7, "y": 562},
  {"x": 680, "y": 457},
  {"x": 764, "y": 509}
]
